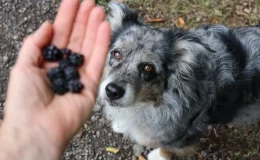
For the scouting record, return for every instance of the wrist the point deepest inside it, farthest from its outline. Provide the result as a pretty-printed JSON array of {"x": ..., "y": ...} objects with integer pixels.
[{"x": 24, "y": 142}]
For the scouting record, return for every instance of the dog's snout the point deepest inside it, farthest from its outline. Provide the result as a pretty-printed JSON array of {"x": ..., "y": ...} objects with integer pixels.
[{"x": 114, "y": 92}]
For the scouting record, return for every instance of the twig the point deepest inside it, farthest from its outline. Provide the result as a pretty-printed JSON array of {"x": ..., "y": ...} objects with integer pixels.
[
  {"x": 216, "y": 133},
  {"x": 214, "y": 153},
  {"x": 99, "y": 151}
]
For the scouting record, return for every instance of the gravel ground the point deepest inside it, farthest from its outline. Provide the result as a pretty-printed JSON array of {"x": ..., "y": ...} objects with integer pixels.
[{"x": 21, "y": 17}]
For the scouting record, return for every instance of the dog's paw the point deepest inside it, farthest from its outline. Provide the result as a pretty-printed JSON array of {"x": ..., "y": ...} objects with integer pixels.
[{"x": 155, "y": 155}]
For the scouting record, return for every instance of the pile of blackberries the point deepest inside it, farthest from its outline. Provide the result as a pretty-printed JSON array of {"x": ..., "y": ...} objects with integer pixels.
[{"x": 65, "y": 77}]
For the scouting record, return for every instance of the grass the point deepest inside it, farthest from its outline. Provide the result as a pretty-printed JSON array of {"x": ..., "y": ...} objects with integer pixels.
[
  {"x": 101, "y": 2},
  {"x": 197, "y": 12}
]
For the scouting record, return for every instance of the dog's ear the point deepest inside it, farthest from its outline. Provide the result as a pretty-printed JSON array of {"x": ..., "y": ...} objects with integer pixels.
[
  {"x": 118, "y": 14},
  {"x": 189, "y": 65},
  {"x": 188, "y": 54}
]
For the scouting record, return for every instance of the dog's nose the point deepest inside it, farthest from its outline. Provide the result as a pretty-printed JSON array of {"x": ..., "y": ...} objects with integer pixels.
[{"x": 114, "y": 92}]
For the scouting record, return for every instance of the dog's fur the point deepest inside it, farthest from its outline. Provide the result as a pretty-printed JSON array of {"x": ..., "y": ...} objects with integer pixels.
[{"x": 203, "y": 76}]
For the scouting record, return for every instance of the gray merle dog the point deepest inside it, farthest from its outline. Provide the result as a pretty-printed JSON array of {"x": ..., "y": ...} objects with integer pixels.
[{"x": 163, "y": 87}]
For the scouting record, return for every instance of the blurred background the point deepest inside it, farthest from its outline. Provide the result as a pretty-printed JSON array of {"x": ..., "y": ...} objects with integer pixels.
[{"x": 19, "y": 18}]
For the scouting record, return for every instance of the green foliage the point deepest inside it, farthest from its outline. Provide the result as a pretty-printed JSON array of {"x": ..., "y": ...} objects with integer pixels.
[{"x": 102, "y": 2}]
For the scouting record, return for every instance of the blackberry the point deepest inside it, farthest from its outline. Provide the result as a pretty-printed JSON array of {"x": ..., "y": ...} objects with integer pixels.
[
  {"x": 64, "y": 63},
  {"x": 70, "y": 73},
  {"x": 64, "y": 78},
  {"x": 76, "y": 59},
  {"x": 59, "y": 86},
  {"x": 52, "y": 53},
  {"x": 74, "y": 86},
  {"x": 65, "y": 51},
  {"x": 55, "y": 73}
]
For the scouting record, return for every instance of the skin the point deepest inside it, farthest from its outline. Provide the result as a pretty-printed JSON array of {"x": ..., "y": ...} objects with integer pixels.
[{"x": 38, "y": 124}]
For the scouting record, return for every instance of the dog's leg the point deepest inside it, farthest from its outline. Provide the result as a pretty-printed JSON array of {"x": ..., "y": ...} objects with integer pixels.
[{"x": 160, "y": 154}]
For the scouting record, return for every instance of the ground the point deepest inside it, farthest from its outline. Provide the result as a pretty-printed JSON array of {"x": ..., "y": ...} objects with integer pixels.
[{"x": 19, "y": 18}]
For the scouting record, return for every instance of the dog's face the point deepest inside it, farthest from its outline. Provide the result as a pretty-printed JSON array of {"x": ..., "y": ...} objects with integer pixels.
[
  {"x": 142, "y": 60},
  {"x": 135, "y": 71}
]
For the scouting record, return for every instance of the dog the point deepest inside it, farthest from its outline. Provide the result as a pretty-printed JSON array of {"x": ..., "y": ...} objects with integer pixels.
[{"x": 163, "y": 87}]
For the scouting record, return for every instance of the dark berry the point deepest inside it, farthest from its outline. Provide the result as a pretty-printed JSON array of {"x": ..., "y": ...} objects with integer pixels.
[
  {"x": 74, "y": 86},
  {"x": 64, "y": 63},
  {"x": 55, "y": 73},
  {"x": 76, "y": 59},
  {"x": 52, "y": 53},
  {"x": 65, "y": 77},
  {"x": 70, "y": 73},
  {"x": 59, "y": 86},
  {"x": 65, "y": 51}
]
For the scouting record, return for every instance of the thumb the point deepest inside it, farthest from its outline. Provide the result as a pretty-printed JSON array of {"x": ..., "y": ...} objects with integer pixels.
[{"x": 30, "y": 53}]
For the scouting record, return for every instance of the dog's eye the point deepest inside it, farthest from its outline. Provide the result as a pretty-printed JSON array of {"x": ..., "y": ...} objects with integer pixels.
[
  {"x": 148, "y": 68},
  {"x": 117, "y": 54},
  {"x": 147, "y": 71}
]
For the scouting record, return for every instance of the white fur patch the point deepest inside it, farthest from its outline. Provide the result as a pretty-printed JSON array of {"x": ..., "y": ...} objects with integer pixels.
[
  {"x": 119, "y": 127},
  {"x": 155, "y": 155},
  {"x": 124, "y": 121},
  {"x": 129, "y": 96},
  {"x": 102, "y": 89}
]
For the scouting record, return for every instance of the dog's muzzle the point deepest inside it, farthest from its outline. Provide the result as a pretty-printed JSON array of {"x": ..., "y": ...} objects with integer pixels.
[{"x": 114, "y": 91}]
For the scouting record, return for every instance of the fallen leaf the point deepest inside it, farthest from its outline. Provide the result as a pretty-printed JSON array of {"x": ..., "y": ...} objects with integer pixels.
[
  {"x": 200, "y": 156},
  {"x": 140, "y": 157},
  {"x": 181, "y": 22},
  {"x": 207, "y": 3},
  {"x": 217, "y": 12},
  {"x": 80, "y": 133},
  {"x": 113, "y": 150},
  {"x": 214, "y": 20},
  {"x": 230, "y": 126},
  {"x": 153, "y": 20}
]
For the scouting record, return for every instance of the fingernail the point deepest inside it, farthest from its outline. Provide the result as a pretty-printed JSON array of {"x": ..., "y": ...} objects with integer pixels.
[{"x": 43, "y": 26}]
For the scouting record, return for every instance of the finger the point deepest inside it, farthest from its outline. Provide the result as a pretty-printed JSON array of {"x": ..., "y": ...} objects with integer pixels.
[
  {"x": 30, "y": 53},
  {"x": 97, "y": 60},
  {"x": 64, "y": 22},
  {"x": 43, "y": 35},
  {"x": 80, "y": 24},
  {"x": 48, "y": 65},
  {"x": 96, "y": 18}
]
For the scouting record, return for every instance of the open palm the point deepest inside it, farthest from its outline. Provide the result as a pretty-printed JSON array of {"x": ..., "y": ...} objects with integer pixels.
[{"x": 30, "y": 100}]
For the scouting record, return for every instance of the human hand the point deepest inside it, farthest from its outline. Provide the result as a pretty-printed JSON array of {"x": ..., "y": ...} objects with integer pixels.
[{"x": 32, "y": 110}]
